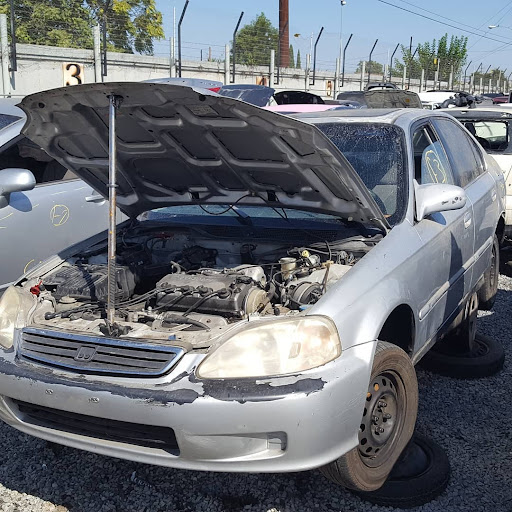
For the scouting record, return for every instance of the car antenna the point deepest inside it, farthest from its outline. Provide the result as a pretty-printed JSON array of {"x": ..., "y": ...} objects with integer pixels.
[{"x": 111, "y": 328}]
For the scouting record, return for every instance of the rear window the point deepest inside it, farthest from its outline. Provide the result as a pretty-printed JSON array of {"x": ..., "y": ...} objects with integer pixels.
[{"x": 377, "y": 153}]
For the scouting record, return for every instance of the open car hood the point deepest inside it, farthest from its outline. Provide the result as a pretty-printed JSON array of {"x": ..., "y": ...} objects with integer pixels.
[{"x": 178, "y": 146}]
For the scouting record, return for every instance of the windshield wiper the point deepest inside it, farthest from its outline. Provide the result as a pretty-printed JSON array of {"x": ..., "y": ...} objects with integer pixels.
[{"x": 243, "y": 216}]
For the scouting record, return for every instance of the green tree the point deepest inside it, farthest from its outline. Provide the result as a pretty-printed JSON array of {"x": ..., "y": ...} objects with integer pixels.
[
  {"x": 132, "y": 25},
  {"x": 376, "y": 67},
  {"x": 451, "y": 56},
  {"x": 52, "y": 22},
  {"x": 298, "y": 63},
  {"x": 292, "y": 57},
  {"x": 255, "y": 40}
]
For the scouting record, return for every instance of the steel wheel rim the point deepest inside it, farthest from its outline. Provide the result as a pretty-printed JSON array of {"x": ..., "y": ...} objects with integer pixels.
[
  {"x": 492, "y": 273},
  {"x": 382, "y": 418}
]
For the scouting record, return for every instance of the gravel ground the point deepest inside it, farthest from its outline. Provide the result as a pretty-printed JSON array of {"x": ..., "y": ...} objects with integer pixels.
[{"x": 469, "y": 419}]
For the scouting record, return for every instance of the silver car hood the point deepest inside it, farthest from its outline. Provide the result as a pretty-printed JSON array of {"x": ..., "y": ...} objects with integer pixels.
[{"x": 179, "y": 146}]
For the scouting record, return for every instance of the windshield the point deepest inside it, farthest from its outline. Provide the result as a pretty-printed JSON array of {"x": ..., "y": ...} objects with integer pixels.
[
  {"x": 256, "y": 95},
  {"x": 6, "y": 120},
  {"x": 376, "y": 151},
  {"x": 252, "y": 212}
]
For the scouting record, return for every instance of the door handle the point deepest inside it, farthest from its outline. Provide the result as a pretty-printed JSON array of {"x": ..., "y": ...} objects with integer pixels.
[
  {"x": 94, "y": 199},
  {"x": 494, "y": 195},
  {"x": 467, "y": 220}
]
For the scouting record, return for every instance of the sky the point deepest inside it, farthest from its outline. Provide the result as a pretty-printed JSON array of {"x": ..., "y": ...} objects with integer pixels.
[{"x": 210, "y": 24}]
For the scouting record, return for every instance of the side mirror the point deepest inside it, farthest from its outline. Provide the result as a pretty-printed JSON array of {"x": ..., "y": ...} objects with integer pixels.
[
  {"x": 437, "y": 197},
  {"x": 14, "y": 180}
]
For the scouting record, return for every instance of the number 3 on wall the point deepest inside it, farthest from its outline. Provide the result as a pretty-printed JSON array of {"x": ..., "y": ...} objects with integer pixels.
[{"x": 73, "y": 73}]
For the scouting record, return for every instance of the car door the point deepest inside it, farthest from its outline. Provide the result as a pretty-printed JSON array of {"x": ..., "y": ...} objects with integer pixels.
[
  {"x": 61, "y": 210},
  {"x": 444, "y": 265},
  {"x": 470, "y": 173}
]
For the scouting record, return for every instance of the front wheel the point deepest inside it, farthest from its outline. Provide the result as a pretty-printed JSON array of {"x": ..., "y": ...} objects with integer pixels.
[{"x": 387, "y": 424}]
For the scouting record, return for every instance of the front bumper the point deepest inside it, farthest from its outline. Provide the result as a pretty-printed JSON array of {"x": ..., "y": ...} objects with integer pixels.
[{"x": 268, "y": 425}]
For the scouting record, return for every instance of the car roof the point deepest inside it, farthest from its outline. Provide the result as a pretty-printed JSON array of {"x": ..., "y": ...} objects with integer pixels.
[
  {"x": 379, "y": 115},
  {"x": 490, "y": 112}
]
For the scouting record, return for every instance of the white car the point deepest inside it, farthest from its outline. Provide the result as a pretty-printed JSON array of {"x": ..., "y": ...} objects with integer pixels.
[{"x": 492, "y": 128}]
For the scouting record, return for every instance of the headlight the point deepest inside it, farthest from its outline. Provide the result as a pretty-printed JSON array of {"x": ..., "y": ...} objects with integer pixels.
[
  {"x": 14, "y": 306},
  {"x": 278, "y": 347}
]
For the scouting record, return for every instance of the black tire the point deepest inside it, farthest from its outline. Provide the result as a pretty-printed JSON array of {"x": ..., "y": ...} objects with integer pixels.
[
  {"x": 383, "y": 435},
  {"x": 421, "y": 474},
  {"x": 486, "y": 359},
  {"x": 487, "y": 293}
]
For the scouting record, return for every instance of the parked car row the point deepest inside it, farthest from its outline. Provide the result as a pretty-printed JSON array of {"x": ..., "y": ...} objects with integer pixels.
[{"x": 274, "y": 284}]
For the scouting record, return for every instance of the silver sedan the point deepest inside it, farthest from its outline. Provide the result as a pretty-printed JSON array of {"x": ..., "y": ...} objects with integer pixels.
[{"x": 277, "y": 282}]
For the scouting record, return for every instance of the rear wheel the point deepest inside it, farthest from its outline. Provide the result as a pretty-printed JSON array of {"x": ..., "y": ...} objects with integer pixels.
[
  {"x": 463, "y": 353},
  {"x": 485, "y": 358},
  {"x": 387, "y": 424},
  {"x": 487, "y": 293}
]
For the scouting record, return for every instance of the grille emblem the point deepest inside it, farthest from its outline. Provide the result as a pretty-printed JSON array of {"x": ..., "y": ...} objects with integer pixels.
[{"x": 85, "y": 354}]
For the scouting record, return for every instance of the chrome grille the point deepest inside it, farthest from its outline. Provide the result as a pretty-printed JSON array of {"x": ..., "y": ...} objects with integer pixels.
[{"x": 97, "y": 355}]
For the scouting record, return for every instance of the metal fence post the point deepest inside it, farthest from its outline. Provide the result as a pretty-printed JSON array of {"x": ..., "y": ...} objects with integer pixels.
[
  {"x": 179, "y": 37},
  {"x": 336, "y": 78},
  {"x": 172, "y": 58},
  {"x": 308, "y": 70},
  {"x": 226, "y": 65},
  {"x": 4, "y": 52},
  {"x": 370, "y": 60},
  {"x": 314, "y": 57},
  {"x": 272, "y": 67},
  {"x": 363, "y": 72},
  {"x": 14, "y": 60},
  {"x": 422, "y": 79},
  {"x": 96, "y": 36},
  {"x": 404, "y": 77},
  {"x": 234, "y": 46},
  {"x": 391, "y": 61},
  {"x": 343, "y": 64}
]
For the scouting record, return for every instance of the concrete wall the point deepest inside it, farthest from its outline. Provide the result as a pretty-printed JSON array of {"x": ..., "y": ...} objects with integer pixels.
[{"x": 42, "y": 67}]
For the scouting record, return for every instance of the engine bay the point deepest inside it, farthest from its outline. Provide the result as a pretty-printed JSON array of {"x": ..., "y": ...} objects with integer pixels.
[{"x": 185, "y": 280}]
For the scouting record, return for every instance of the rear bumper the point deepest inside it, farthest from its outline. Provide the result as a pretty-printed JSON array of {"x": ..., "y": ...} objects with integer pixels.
[{"x": 270, "y": 425}]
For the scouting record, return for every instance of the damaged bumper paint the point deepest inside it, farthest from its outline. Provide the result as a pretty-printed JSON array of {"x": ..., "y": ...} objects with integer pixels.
[{"x": 290, "y": 423}]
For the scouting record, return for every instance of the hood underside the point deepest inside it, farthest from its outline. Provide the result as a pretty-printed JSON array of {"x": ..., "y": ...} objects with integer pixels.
[{"x": 178, "y": 146}]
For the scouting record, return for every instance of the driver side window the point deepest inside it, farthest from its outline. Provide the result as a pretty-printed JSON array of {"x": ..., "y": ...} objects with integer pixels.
[
  {"x": 24, "y": 154},
  {"x": 431, "y": 164}
]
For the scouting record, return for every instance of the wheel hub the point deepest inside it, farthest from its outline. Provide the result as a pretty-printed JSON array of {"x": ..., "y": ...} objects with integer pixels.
[{"x": 379, "y": 416}]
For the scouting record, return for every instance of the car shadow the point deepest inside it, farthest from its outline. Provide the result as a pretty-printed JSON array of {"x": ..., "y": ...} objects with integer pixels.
[
  {"x": 20, "y": 202},
  {"x": 82, "y": 482}
]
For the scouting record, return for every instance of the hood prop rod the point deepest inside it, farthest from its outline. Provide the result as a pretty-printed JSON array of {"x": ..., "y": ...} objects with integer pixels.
[{"x": 114, "y": 103}]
